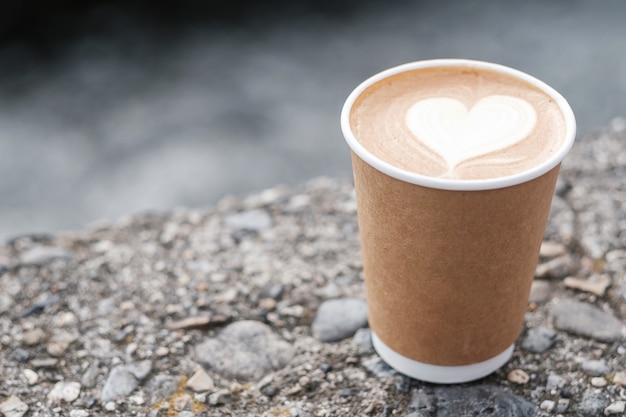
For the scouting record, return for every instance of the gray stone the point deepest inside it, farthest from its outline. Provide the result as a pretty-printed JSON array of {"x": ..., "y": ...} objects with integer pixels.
[
  {"x": 562, "y": 405},
  {"x": 583, "y": 319},
  {"x": 123, "y": 379},
  {"x": 339, "y": 319},
  {"x": 362, "y": 340},
  {"x": 378, "y": 367},
  {"x": 554, "y": 382},
  {"x": 252, "y": 220},
  {"x": 88, "y": 379},
  {"x": 245, "y": 349},
  {"x": 539, "y": 339},
  {"x": 592, "y": 403},
  {"x": 539, "y": 291},
  {"x": 477, "y": 400},
  {"x": 161, "y": 387},
  {"x": 595, "y": 367}
]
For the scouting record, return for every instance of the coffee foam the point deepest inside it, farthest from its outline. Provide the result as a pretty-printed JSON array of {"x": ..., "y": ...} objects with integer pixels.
[{"x": 458, "y": 122}]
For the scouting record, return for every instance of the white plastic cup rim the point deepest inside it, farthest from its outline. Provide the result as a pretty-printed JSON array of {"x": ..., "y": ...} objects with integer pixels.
[
  {"x": 455, "y": 184},
  {"x": 439, "y": 374}
]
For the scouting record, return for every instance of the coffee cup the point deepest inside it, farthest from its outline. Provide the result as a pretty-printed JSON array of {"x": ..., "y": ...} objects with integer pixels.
[{"x": 455, "y": 164}]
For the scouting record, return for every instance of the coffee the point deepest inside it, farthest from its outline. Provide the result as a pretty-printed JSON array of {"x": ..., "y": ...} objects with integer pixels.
[{"x": 458, "y": 122}]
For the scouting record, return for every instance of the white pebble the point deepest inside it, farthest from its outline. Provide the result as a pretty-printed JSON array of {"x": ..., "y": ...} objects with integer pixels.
[
  {"x": 110, "y": 406},
  {"x": 547, "y": 405},
  {"x": 162, "y": 351},
  {"x": 137, "y": 399},
  {"x": 598, "y": 381},
  {"x": 79, "y": 413},
  {"x": 64, "y": 391},
  {"x": 617, "y": 407},
  {"x": 31, "y": 376}
]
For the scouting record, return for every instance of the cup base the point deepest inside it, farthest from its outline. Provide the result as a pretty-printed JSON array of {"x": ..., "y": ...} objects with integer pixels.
[{"x": 439, "y": 374}]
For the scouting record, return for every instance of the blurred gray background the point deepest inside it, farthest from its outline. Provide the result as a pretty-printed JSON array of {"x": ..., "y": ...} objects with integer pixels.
[{"x": 112, "y": 108}]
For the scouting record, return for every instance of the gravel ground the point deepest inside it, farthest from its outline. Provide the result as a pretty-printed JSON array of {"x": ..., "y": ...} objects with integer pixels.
[{"x": 231, "y": 310}]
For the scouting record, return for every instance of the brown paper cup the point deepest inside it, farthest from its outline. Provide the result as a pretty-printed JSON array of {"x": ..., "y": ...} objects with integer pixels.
[{"x": 449, "y": 263}]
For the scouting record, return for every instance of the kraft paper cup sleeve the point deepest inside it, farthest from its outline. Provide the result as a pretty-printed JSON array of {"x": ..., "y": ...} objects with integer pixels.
[{"x": 448, "y": 273}]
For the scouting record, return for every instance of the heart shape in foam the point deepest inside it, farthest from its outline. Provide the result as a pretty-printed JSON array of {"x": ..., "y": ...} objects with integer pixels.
[{"x": 447, "y": 127}]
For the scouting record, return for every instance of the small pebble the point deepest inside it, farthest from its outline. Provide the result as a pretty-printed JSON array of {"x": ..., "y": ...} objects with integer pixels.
[
  {"x": 378, "y": 367},
  {"x": 547, "y": 405},
  {"x": 245, "y": 349},
  {"x": 349, "y": 392},
  {"x": 518, "y": 376},
  {"x": 328, "y": 328},
  {"x": 598, "y": 381},
  {"x": 562, "y": 405},
  {"x": 162, "y": 351},
  {"x": 20, "y": 355},
  {"x": 617, "y": 407},
  {"x": 79, "y": 413},
  {"x": 64, "y": 391},
  {"x": 595, "y": 367},
  {"x": 219, "y": 397},
  {"x": 539, "y": 339},
  {"x": 60, "y": 342},
  {"x": 552, "y": 249},
  {"x": 554, "y": 382},
  {"x": 583, "y": 319},
  {"x": 200, "y": 381},
  {"x": 189, "y": 323},
  {"x": 13, "y": 407},
  {"x": 539, "y": 291},
  {"x": 123, "y": 379},
  {"x": 620, "y": 378},
  {"x": 273, "y": 290},
  {"x": 44, "y": 363},
  {"x": 161, "y": 387},
  {"x": 596, "y": 284},
  {"x": 267, "y": 304},
  {"x": 362, "y": 340},
  {"x": 31, "y": 376},
  {"x": 556, "y": 268},
  {"x": 592, "y": 403},
  {"x": 34, "y": 337},
  {"x": 88, "y": 379}
]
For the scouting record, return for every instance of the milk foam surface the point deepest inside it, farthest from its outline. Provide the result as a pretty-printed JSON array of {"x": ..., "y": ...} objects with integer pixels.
[{"x": 458, "y": 122}]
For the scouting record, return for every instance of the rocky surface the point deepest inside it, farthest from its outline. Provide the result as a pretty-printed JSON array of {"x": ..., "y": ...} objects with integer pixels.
[{"x": 232, "y": 311}]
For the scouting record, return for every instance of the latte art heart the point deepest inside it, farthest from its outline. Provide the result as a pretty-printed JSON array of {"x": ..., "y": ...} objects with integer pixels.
[{"x": 457, "y": 134}]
